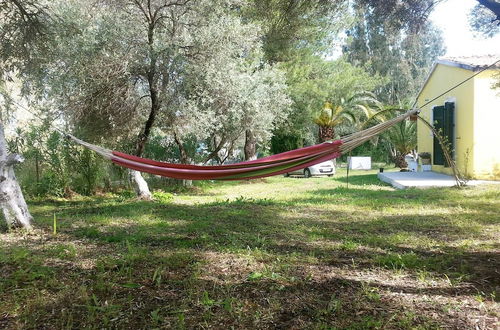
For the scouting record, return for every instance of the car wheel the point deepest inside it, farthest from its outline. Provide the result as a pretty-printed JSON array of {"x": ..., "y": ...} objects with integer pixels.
[
  {"x": 307, "y": 173},
  {"x": 330, "y": 175}
]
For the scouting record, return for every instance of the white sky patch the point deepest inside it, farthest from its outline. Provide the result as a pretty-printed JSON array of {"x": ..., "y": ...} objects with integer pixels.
[{"x": 451, "y": 17}]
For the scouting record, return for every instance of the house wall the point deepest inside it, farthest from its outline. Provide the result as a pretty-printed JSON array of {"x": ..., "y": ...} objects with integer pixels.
[
  {"x": 443, "y": 78},
  {"x": 486, "y": 128}
]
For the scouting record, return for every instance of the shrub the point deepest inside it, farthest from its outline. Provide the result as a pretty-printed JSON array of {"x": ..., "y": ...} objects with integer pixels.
[{"x": 163, "y": 197}]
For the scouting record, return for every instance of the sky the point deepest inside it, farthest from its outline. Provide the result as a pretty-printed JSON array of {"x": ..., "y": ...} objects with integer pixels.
[{"x": 451, "y": 17}]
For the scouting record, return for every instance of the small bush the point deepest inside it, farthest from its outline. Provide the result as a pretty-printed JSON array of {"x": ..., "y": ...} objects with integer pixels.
[{"x": 163, "y": 197}]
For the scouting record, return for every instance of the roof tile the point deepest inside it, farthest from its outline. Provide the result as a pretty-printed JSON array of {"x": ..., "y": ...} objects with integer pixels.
[{"x": 474, "y": 63}]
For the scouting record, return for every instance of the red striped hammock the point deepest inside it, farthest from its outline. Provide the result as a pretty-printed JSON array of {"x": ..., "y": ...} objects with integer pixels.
[{"x": 259, "y": 168}]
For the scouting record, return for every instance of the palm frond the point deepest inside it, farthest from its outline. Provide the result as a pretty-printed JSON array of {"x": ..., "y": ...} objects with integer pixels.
[{"x": 403, "y": 137}]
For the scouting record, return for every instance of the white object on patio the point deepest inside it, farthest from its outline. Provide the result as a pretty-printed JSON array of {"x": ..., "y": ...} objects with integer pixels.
[
  {"x": 360, "y": 163},
  {"x": 404, "y": 180},
  {"x": 412, "y": 166},
  {"x": 426, "y": 168}
]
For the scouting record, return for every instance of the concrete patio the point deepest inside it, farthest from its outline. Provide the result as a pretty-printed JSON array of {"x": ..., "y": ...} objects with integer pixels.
[{"x": 422, "y": 180}]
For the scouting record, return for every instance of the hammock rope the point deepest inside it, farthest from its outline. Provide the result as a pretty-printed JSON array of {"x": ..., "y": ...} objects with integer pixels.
[{"x": 268, "y": 166}]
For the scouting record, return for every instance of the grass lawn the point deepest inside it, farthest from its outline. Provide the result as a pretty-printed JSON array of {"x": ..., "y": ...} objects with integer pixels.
[{"x": 273, "y": 253}]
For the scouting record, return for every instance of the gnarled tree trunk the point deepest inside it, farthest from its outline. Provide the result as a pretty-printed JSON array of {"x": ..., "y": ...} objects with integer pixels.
[
  {"x": 14, "y": 208},
  {"x": 140, "y": 186},
  {"x": 184, "y": 158},
  {"x": 250, "y": 145},
  {"x": 325, "y": 133}
]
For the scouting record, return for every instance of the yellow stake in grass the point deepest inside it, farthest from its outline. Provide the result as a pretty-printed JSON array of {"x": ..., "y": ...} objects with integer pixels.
[{"x": 55, "y": 224}]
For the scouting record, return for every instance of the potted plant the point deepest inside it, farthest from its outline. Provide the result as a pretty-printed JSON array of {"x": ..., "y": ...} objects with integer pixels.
[{"x": 425, "y": 159}]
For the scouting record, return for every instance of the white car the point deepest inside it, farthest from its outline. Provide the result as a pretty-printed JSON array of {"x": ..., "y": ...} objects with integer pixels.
[{"x": 324, "y": 168}]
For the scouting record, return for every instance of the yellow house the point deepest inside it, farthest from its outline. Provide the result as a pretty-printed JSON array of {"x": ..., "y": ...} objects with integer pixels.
[{"x": 468, "y": 116}]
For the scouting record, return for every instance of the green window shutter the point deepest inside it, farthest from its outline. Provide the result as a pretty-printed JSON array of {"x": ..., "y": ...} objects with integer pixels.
[
  {"x": 438, "y": 118},
  {"x": 444, "y": 123},
  {"x": 449, "y": 126}
]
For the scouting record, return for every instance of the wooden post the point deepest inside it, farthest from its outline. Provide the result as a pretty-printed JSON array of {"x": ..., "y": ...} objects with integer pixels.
[
  {"x": 37, "y": 168},
  {"x": 348, "y": 166}
]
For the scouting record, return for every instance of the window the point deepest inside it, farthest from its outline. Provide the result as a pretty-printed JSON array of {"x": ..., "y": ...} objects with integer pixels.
[{"x": 444, "y": 124}]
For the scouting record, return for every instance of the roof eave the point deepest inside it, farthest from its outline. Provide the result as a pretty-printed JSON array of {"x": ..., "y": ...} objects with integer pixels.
[
  {"x": 448, "y": 63},
  {"x": 459, "y": 65}
]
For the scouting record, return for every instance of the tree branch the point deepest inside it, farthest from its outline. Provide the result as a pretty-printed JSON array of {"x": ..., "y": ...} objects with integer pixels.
[
  {"x": 12, "y": 159},
  {"x": 491, "y": 5},
  {"x": 138, "y": 4},
  {"x": 24, "y": 13},
  {"x": 216, "y": 150}
]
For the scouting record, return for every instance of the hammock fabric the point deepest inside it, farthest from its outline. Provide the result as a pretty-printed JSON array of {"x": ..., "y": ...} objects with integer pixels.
[{"x": 259, "y": 168}]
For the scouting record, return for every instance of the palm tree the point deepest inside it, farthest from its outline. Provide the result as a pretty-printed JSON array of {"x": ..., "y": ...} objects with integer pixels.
[
  {"x": 330, "y": 117},
  {"x": 403, "y": 140},
  {"x": 344, "y": 111}
]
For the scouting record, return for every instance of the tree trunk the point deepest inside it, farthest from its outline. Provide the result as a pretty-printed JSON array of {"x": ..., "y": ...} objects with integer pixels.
[
  {"x": 399, "y": 161},
  {"x": 37, "y": 167},
  {"x": 250, "y": 145},
  {"x": 15, "y": 210},
  {"x": 215, "y": 152},
  {"x": 187, "y": 183},
  {"x": 140, "y": 186},
  {"x": 184, "y": 159},
  {"x": 326, "y": 133}
]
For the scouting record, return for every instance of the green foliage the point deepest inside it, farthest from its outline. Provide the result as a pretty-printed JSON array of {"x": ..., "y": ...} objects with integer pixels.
[
  {"x": 403, "y": 137},
  {"x": 163, "y": 197},
  {"x": 292, "y": 28},
  {"x": 424, "y": 155},
  {"x": 385, "y": 44},
  {"x": 484, "y": 21},
  {"x": 90, "y": 168},
  {"x": 254, "y": 276},
  {"x": 24, "y": 36},
  {"x": 231, "y": 67},
  {"x": 281, "y": 142},
  {"x": 54, "y": 166},
  {"x": 401, "y": 261},
  {"x": 378, "y": 150},
  {"x": 120, "y": 73},
  {"x": 314, "y": 81},
  {"x": 409, "y": 15},
  {"x": 162, "y": 147}
]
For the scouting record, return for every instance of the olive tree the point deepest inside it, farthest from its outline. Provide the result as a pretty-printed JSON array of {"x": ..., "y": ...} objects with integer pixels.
[
  {"x": 23, "y": 35},
  {"x": 189, "y": 67},
  {"x": 14, "y": 207}
]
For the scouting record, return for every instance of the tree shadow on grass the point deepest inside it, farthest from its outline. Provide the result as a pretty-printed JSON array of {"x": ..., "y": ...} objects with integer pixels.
[
  {"x": 378, "y": 197},
  {"x": 276, "y": 228},
  {"x": 485, "y": 211},
  {"x": 124, "y": 292},
  {"x": 359, "y": 179}
]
